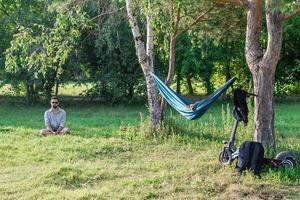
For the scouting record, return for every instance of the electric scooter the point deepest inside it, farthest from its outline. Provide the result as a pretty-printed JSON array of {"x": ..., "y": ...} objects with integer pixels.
[{"x": 230, "y": 152}]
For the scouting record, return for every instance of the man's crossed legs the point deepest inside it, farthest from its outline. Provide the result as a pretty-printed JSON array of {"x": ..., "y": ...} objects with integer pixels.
[{"x": 47, "y": 132}]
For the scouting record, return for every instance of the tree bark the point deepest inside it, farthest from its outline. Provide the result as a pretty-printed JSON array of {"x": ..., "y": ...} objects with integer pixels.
[
  {"x": 263, "y": 82},
  {"x": 155, "y": 114},
  {"x": 263, "y": 65},
  {"x": 146, "y": 62},
  {"x": 149, "y": 44}
]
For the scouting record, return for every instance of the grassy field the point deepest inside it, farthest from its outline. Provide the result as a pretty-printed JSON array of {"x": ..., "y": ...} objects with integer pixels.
[
  {"x": 69, "y": 89},
  {"x": 109, "y": 155}
]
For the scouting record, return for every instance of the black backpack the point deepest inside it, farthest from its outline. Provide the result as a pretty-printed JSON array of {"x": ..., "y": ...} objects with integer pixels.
[{"x": 251, "y": 156}]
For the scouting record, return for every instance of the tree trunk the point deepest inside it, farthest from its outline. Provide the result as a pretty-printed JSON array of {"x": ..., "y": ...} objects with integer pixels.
[
  {"x": 264, "y": 107},
  {"x": 178, "y": 86},
  {"x": 48, "y": 86},
  {"x": 29, "y": 93},
  {"x": 208, "y": 85},
  {"x": 190, "y": 87},
  {"x": 153, "y": 101},
  {"x": 146, "y": 62},
  {"x": 263, "y": 65},
  {"x": 172, "y": 53},
  {"x": 130, "y": 91},
  {"x": 56, "y": 88},
  {"x": 48, "y": 91}
]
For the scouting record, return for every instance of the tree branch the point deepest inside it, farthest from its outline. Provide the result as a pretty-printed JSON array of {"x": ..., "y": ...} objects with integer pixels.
[
  {"x": 195, "y": 22},
  {"x": 292, "y": 14},
  {"x": 177, "y": 21}
]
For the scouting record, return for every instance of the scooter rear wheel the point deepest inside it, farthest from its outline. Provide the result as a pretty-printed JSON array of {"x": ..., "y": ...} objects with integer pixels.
[{"x": 225, "y": 157}]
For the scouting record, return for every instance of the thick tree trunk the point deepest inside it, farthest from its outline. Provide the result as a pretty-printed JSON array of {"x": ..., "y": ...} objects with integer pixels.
[
  {"x": 155, "y": 114},
  {"x": 263, "y": 65},
  {"x": 146, "y": 62},
  {"x": 153, "y": 102},
  {"x": 264, "y": 107}
]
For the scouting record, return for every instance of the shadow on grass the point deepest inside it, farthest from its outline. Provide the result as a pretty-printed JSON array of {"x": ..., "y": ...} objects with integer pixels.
[{"x": 6, "y": 129}]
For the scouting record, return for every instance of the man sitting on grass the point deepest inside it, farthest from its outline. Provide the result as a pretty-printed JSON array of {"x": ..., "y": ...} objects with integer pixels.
[{"x": 55, "y": 119}]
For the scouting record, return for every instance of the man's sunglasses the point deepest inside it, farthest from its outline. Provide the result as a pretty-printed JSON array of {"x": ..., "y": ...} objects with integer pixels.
[{"x": 54, "y": 102}]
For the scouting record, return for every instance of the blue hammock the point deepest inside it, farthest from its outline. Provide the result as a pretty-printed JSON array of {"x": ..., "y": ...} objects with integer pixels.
[{"x": 181, "y": 104}]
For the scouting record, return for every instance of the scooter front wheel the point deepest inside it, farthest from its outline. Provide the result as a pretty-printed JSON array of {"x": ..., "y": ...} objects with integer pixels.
[{"x": 225, "y": 157}]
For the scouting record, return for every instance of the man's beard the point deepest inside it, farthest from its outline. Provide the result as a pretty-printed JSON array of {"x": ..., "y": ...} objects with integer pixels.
[{"x": 54, "y": 106}]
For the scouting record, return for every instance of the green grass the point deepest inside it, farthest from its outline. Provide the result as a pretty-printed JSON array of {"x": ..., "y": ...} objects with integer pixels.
[
  {"x": 109, "y": 155},
  {"x": 69, "y": 89},
  {"x": 72, "y": 89}
]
